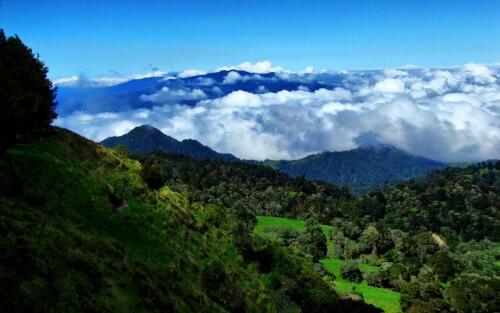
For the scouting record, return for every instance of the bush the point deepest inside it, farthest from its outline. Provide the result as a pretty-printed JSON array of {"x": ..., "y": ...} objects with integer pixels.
[
  {"x": 369, "y": 259},
  {"x": 27, "y": 94},
  {"x": 153, "y": 175},
  {"x": 373, "y": 278},
  {"x": 350, "y": 271}
]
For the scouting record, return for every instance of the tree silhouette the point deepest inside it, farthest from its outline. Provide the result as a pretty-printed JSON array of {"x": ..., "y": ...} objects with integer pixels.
[{"x": 26, "y": 94}]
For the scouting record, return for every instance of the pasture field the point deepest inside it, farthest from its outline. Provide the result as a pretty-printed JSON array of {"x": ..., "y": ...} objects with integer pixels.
[
  {"x": 269, "y": 221},
  {"x": 385, "y": 299}
]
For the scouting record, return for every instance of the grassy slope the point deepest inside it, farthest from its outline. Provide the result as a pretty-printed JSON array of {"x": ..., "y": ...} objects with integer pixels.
[
  {"x": 270, "y": 221},
  {"x": 385, "y": 299},
  {"x": 55, "y": 221}
]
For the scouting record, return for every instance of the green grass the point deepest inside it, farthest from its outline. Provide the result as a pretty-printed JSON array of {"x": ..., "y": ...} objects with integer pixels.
[
  {"x": 333, "y": 265},
  {"x": 264, "y": 222},
  {"x": 67, "y": 252},
  {"x": 385, "y": 299}
]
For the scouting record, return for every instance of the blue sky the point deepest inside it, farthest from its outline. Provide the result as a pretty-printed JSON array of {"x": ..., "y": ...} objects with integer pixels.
[{"x": 96, "y": 38}]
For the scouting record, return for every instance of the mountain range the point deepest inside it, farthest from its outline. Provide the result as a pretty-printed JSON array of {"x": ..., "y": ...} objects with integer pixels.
[
  {"x": 88, "y": 97},
  {"x": 361, "y": 170}
]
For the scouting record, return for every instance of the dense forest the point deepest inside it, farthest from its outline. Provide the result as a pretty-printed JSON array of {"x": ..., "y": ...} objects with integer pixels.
[{"x": 430, "y": 236}]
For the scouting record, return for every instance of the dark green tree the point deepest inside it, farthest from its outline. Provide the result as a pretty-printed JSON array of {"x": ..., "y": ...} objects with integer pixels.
[
  {"x": 154, "y": 175},
  {"x": 474, "y": 293},
  {"x": 245, "y": 221},
  {"x": 317, "y": 241},
  {"x": 369, "y": 239},
  {"x": 27, "y": 95},
  {"x": 444, "y": 265},
  {"x": 350, "y": 271}
]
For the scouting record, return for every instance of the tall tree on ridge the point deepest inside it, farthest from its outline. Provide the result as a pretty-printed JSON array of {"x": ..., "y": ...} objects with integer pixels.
[{"x": 27, "y": 96}]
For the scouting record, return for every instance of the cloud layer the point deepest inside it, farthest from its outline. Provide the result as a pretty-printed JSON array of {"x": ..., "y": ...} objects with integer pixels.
[{"x": 444, "y": 114}]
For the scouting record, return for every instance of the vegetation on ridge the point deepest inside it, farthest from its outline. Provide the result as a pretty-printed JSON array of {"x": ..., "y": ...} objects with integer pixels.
[{"x": 64, "y": 248}]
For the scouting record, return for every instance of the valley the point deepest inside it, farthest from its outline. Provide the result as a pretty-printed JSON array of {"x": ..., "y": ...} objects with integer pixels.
[
  {"x": 385, "y": 299},
  {"x": 141, "y": 222}
]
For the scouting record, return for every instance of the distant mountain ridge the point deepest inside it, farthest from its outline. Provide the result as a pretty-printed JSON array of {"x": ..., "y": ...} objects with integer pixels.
[
  {"x": 362, "y": 169},
  {"x": 145, "y": 139},
  {"x": 84, "y": 96}
]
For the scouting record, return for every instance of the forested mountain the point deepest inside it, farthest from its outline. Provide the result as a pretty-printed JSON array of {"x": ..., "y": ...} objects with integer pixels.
[
  {"x": 362, "y": 169},
  {"x": 430, "y": 236},
  {"x": 145, "y": 139},
  {"x": 458, "y": 202}
]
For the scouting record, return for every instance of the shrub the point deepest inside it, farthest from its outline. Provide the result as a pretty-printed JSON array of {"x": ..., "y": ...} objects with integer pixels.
[
  {"x": 372, "y": 278},
  {"x": 350, "y": 271},
  {"x": 369, "y": 259}
]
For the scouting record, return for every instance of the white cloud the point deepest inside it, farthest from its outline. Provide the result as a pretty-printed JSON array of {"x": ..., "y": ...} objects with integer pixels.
[
  {"x": 261, "y": 67},
  {"x": 308, "y": 70},
  {"x": 66, "y": 81},
  {"x": 239, "y": 99},
  {"x": 445, "y": 114},
  {"x": 104, "y": 81},
  {"x": 478, "y": 69},
  {"x": 191, "y": 73},
  {"x": 390, "y": 85},
  {"x": 231, "y": 77},
  {"x": 205, "y": 81},
  {"x": 395, "y": 73},
  {"x": 166, "y": 94}
]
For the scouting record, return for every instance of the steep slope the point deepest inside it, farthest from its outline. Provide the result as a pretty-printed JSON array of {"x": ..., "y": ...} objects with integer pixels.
[
  {"x": 360, "y": 170},
  {"x": 145, "y": 139},
  {"x": 65, "y": 249}
]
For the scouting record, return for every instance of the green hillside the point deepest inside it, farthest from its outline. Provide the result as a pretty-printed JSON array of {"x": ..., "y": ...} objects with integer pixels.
[
  {"x": 64, "y": 249},
  {"x": 385, "y": 299}
]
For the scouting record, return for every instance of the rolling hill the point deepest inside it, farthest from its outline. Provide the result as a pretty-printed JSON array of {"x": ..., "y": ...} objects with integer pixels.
[{"x": 66, "y": 248}]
